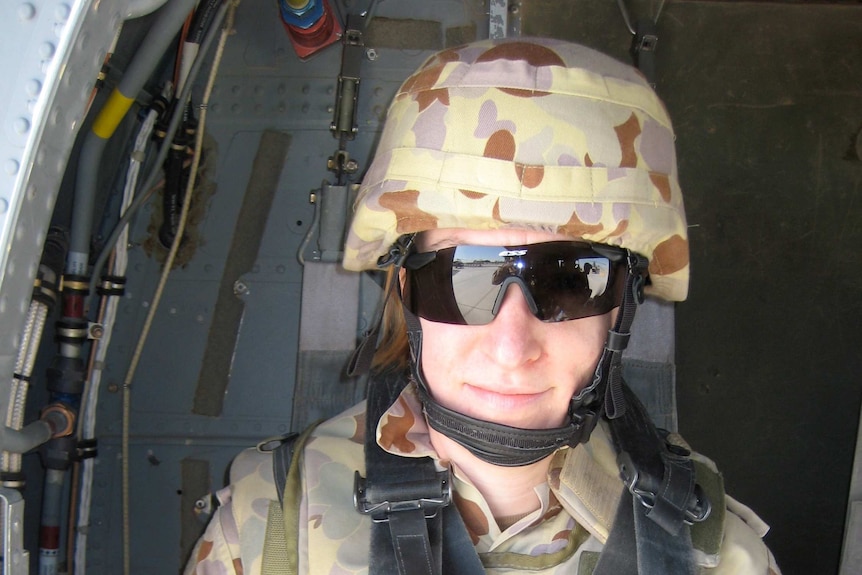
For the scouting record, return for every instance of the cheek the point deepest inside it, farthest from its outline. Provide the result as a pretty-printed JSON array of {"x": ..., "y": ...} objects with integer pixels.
[
  {"x": 443, "y": 346},
  {"x": 577, "y": 346}
]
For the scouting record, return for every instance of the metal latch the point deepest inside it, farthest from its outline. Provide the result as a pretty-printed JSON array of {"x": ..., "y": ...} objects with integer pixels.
[{"x": 430, "y": 496}]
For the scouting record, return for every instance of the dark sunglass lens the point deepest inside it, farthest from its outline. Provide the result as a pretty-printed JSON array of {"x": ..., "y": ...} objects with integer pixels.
[
  {"x": 428, "y": 292},
  {"x": 588, "y": 291},
  {"x": 570, "y": 281},
  {"x": 477, "y": 273}
]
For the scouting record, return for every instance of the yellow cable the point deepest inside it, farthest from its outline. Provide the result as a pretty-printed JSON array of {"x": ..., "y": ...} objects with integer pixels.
[{"x": 112, "y": 114}]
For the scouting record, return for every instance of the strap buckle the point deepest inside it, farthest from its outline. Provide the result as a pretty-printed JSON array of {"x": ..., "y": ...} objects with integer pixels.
[
  {"x": 379, "y": 502},
  {"x": 695, "y": 509}
]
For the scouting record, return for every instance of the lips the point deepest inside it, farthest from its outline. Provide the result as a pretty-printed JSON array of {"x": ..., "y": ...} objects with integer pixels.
[{"x": 482, "y": 397}]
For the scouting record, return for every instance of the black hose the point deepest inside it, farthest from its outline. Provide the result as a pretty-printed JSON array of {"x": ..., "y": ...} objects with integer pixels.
[{"x": 204, "y": 16}]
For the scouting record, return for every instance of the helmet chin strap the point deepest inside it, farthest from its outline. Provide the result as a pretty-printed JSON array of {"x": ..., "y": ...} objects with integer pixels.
[{"x": 508, "y": 446}]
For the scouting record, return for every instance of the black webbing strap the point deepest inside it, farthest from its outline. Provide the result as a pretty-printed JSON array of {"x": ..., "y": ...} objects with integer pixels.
[
  {"x": 282, "y": 455},
  {"x": 650, "y": 533},
  {"x": 409, "y": 502},
  {"x": 639, "y": 546},
  {"x": 643, "y": 49},
  {"x": 660, "y": 475},
  {"x": 619, "y": 556}
]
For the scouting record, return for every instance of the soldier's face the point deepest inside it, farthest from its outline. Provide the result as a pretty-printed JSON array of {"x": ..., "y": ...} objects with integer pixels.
[{"x": 515, "y": 370}]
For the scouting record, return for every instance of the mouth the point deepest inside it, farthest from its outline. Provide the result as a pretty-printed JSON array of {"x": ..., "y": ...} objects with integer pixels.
[{"x": 485, "y": 399}]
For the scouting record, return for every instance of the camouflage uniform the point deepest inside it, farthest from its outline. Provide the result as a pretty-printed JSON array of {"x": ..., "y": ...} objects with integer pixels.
[{"x": 577, "y": 505}]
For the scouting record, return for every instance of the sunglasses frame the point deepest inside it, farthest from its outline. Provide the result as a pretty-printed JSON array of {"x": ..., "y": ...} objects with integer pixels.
[{"x": 441, "y": 303}]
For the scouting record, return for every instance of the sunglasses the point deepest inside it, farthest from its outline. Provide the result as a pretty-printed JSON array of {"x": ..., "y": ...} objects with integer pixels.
[{"x": 561, "y": 280}]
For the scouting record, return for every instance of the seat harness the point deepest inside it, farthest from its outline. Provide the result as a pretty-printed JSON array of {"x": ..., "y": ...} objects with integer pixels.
[{"x": 409, "y": 502}]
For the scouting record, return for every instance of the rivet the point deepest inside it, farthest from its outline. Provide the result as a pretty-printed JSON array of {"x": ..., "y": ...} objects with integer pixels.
[
  {"x": 33, "y": 87},
  {"x": 4, "y": 205},
  {"x": 46, "y": 50},
  {"x": 21, "y": 125},
  {"x": 62, "y": 11},
  {"x": 11, "y": 168},
  {"x": 26, "y": 11}
]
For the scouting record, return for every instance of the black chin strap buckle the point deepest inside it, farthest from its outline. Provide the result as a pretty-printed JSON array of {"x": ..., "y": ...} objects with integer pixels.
[{"x": 382, "y": 502}]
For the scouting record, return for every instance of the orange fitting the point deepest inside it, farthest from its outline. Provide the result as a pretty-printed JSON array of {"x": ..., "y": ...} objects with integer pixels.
[{"x": 60, "y": 417}]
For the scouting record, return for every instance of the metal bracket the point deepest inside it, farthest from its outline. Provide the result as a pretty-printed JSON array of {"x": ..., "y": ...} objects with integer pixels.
[
  {"x": 353, "y": 50},
  {"x": 324, "y": 241},
  {"x": 15, "y": 559}
]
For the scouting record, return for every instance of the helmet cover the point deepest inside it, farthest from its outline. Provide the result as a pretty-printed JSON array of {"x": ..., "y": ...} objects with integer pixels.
[{"x": 527, "y": 133}]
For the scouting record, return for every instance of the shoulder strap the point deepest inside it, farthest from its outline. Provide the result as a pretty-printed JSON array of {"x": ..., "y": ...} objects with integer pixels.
[
  {"x": 276, "y": 559},
  {"x": 280, "y": 553},
  {"x": 650, "y": 532},
  {"x": 410, "y": 504}
]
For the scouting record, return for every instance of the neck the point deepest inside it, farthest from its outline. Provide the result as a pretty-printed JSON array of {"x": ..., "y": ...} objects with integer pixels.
[{"x": 507, "y": 490}]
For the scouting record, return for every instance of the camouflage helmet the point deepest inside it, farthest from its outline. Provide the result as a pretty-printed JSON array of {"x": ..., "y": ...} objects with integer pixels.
[{"x": 527, "y": 133}]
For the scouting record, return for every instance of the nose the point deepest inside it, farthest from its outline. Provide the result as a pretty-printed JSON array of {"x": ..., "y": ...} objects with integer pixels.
[{"x": 514, "y": 339}]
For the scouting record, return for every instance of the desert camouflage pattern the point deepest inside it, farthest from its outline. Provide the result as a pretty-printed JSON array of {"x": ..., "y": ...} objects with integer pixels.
[
  {"x": 533, "y": 133},
  {"x": 569, "y": 527}
]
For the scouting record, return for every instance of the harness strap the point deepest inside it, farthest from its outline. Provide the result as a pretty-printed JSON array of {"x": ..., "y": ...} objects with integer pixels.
[
  {"x": 650, "y": 534},
  {"x": 409, "y": 502},
  {"x": 280, "y": 553},
  {"x": 639, "y": 546},
  {"x": 659, "y": 475}
]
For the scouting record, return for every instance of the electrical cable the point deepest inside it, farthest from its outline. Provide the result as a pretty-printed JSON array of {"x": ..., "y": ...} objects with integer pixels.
[
  {"x": 225, "y": 14},
  {"x": 149, "y": 185},
  {"x": 658, "y": 12},
  {"x": 37, "y": 317},
  {"x": 178, "y": 59},
  {"x": 624, "y": 11},
  {"x": 203, "y": 20},
  {"x": 107, "y": 317}
]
